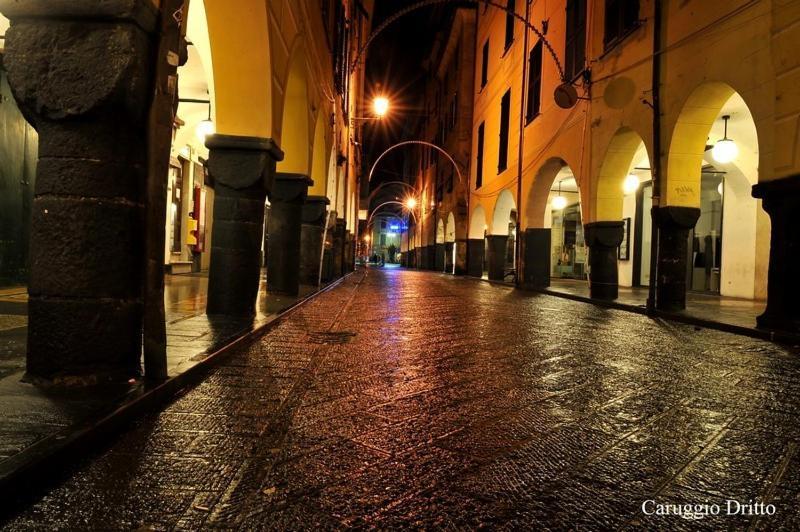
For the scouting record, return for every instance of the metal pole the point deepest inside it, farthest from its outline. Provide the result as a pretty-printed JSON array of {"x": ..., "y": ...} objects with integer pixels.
[
  {"x": 520, "y": 154},
  {"x": 657, "y": 163}
]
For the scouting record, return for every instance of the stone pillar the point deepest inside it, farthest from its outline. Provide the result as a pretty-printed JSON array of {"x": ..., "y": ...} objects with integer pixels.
[
  {"x": 266, "y": 234},
  {"x": 347, "y": 267},
  {"x": 674, "y": 224},
  {"x": 535, "y": 258},
  {"x": 80, "y": 72},
  {"x": 419, "y": 257},
  {"x": 285, "y": 225},
  {"x": 475, "y": 252},
  {"x": 438, "y": 263},
  {"x": 460, "y": 267},
  {"x": 781, "y": 201},
  {"x": 337, "y": 253},
  {"x": 311, "y": 238},
  {"x": 448, "y": 257},
  {"x": 497, "y": 256},
  {"x": 603, "y": 239},
  {"x": 243, "y": 169}
]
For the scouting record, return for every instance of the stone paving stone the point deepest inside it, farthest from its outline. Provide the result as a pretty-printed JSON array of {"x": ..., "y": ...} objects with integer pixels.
[{"x": 413, "y": 400}]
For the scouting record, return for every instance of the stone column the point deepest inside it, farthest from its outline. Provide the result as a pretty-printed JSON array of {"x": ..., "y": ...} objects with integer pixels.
[
  {"x": 243, "y": 169},
  {"x": 285, "y": 223},
  {"x": 535, "y": 258},
  {"x": 781, "y": 201},
  {"x": 461, "y": 257},
  {"x": 448, "y": 256},
  {"x": 80, "y": 72},
  {"x": 497, "y": 256},
  {"x": 603, "y": 239},
  {"x": 311, "y": 237},
  {"x": 475, "y": 252},
  {"x": 337, "y": 254},
  {"x": 419, "y": 257},
  {"x": 674, "y": 224},
  {"x": 347, "y": 267},
  {"x": 438, "y": 263}
]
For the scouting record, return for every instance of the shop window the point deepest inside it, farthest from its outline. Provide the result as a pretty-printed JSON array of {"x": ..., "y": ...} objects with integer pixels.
[
  {"x": 575, "y": 56},
  {"x": 534, "y": 82},
  {"x": 505, "y": 116},
  {"x": 485, "y": 64},
  {"x": 622, "y": 17},
  {"x": 479, "y": 161},
  {"x": 510, "y": 9}
]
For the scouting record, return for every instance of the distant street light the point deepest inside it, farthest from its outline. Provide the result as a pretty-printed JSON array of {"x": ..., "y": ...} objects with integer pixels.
[{"x": 411, "y": 203}]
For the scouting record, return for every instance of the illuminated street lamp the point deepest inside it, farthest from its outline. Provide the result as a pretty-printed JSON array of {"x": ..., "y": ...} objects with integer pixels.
[
  {"x": 380, "y": 105},
  {"x": 411, "y": 203}
]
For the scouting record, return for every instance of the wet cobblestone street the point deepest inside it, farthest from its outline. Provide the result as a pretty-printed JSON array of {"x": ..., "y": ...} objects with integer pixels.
[{"x": 405, "y": 399}]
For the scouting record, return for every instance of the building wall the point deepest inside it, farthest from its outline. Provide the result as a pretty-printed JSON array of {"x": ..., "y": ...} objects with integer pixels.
[
  {"x": 451, "y": 65},
  {"x": 712, "y": 51}
]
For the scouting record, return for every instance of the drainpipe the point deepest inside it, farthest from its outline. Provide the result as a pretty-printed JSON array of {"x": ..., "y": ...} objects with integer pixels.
[
  {"x": 518, "y": 240},
  {"x": 657, "y": 167}
]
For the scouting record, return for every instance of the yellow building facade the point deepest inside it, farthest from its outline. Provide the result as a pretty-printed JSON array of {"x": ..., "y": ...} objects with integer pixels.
[{"x": 587, "y": 168}]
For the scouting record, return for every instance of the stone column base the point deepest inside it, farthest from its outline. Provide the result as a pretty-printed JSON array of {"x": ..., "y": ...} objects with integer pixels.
[
  {"x": 285, "y": 225},
  {"x": 448, "y": 257},
  {"x": 475, "y": 252},
  {"x": 603, "y": 239},
  {"x": 313, "y": 216},
  {"x": 535, "y": 258},
  {"x": 497, "y": 256},
  {"x": 460, "y": 267},
  {"x": 438, "y": 264},
  {"x": 243, "y": 169},
  {"x": 781, "y": 201},
  {"x": 674, "y": 224}
]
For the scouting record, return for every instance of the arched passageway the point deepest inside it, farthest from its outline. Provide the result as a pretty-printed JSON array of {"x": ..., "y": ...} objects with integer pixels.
[
  {"x": 501, "y": 242},
  {"x": 713, "y": 236}
]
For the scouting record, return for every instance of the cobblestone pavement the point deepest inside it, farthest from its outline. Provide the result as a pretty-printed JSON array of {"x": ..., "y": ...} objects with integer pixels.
[{"x": 414, "y": 400}]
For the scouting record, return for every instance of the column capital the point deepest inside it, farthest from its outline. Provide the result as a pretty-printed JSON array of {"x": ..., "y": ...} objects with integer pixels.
[
  {"x": 240, "y": 162},
  {"x": 290, "y": 187},
  {"x": 75, "y": 60},
  {"x": 143, "y": 13},
  {"x": 314, "y": 210},
  {"x": 608, "y": 234},
  {"x": 677, "y": 217}
]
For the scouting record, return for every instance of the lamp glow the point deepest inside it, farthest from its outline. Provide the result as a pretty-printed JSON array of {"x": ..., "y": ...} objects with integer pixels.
[
  {"x": 631, "y": 184},
  {"x": 411, "y": 203},
  {"x": 720, "y": 188},
  {"x": 204, "y": 129},
  {"x": 381, "y": 106},
  {"x": 559, "y": 203},
  {"x": 725, "y": 150}
]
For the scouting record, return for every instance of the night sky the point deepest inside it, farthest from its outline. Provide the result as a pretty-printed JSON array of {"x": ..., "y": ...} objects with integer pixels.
[{"x": 395, "y": 68}]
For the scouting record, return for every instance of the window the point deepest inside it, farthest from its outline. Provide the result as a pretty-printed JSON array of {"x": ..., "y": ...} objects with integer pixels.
[
  {"x": 505, "y": 115},
  {"x": 485, "y": 64},
  {"x": 510, "y": 8},
  {"x": 575, "y": 56},
  {"x": 479, "y": 161},
  {"x": 622, "y": 16},
  {"x": 534, "y": 82}
]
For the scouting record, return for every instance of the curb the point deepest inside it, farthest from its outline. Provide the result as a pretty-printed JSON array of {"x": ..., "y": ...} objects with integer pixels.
[
  {"x": 43, "y": 463},
  {"x": 752, "y": 332}
]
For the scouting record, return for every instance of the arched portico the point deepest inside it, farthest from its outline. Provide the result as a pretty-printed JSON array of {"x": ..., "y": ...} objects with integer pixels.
[
  {"x": 701, "y": 185},
  {"x": 501, "y": 242},
  {"x": 623, "y": 167},
  {"x": 476, "y": 241}
]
